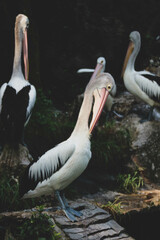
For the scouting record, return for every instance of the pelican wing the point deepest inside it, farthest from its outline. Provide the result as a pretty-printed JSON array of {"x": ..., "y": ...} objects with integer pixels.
[
  {"x": 145, "y": 72},
  {"x": 31, "y": 103},
  {"x": 2, "y": 90},
  {"x": 51, "y": 161},
  {"x": 150, "y": 84}
]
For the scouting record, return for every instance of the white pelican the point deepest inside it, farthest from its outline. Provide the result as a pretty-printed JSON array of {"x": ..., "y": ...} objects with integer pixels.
[
  {"x": 142, "y": 84},
  {"x": 61, "y": 165},
  {"x": 17, "y": 97},
  {"x": 110, "y": 100}
]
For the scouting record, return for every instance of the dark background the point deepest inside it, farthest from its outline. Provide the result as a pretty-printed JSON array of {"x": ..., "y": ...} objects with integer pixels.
[{"x": 65, "y": 35}]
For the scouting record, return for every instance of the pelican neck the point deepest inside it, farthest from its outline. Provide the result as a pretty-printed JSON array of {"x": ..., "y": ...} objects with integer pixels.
[
  {"x": 132, "y": 59},
  {"x": 17, "y": 69},
  {"x": 84, "y": 113}
]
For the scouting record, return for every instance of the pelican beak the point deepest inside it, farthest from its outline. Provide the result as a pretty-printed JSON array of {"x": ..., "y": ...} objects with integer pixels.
[
  {"x": 129, "y": 51},
  {"x": 25, "y": 55},
  {"x": 97, "y": 70},
  {"x": 82, "y": 70},
  {"x": 100, "y": 99}
]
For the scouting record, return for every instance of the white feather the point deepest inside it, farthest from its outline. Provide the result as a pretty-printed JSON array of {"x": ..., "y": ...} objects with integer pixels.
[
  {"x": 49, "y": 161},
  {"x": 151, "y": 88},
  {"x": 135, "y": 83},
  {"x": 32, "y": 100},
  {"x": 18, "y": 82},
  {"x": 146, "y": 72},
  {"x": 74, "y": 155},
  {"x": 2, "y": 90}
]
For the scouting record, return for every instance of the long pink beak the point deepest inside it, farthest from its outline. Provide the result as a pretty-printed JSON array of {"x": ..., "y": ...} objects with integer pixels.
[
  {"x": 25, "y": 55},
  {"x": 100, "y": 99},
  {"x": 97, "y": 70},
  {"x": 129, "y": 51}
]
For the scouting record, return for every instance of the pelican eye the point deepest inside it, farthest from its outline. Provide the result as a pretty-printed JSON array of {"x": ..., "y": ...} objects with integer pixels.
[
  {"x": 102, "y": 61},
  {"x": 109, "y": 87},
  {"x": 27, "y": 24}
]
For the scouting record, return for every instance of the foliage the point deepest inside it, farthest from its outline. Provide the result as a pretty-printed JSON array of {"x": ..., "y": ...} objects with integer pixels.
[
  {"x": 113, "y": 207},
  {"x": 130, "y": 183},
  {"x": 47, "y": 126},
  {"x": 39, "y": 224},
  {"x": 38, "y": 227},
  {"x": 110, "y": 147},
  {"x": 9, "y": 194}
]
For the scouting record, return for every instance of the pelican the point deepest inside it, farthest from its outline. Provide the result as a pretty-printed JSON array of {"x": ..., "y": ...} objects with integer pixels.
[
  {"x": 100, "y": 60},
  {"x": 110, "y": 100},
  {"x": 61, "y": 165},
  {"x": 18, "y": 96},
  {"x": 143, "y": 84}
]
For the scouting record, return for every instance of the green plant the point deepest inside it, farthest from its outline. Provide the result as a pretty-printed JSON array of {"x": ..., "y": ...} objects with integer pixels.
[
  {"x": 47, "y": 126},
  {"x": 9, "y": 193},
  {"x": 130, "y": 183},
  {"x": 110, "y": 147},
  {"x": 113, "y": 207},
  {"x": 38, "y": 227}
]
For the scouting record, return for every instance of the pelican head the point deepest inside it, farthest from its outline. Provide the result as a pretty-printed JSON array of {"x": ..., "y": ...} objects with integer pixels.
[
  {"x": 100, "y": 61},
  {"x": 134, "y": 45},
  {"x": 21, "y": 25},
  {"x": 134, "y": 36},
  {"x": 101, "y": 87},
  {"x": 104, "y": 80}
]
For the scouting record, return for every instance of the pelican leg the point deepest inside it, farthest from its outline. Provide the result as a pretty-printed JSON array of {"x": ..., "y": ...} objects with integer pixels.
[
  {"x": 150, "y": 113},
  {"x": 108, "y": 116},
  {"x": 71, "y": 210},
  {"x": 118, "y": 115},
  {"x": 68, "y": 214},
  {"x": 149, "y": 116}
]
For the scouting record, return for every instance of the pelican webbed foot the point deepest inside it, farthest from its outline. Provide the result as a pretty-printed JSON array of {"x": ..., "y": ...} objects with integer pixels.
[
  {"x": 69, "y": 212},
  {"x": 69, "y": 215}
]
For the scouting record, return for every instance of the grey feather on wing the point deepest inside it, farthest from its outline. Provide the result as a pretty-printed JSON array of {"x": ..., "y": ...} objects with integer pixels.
[
  {"x": 150, "y": 87},
  {"x": 52, "y": 161}
]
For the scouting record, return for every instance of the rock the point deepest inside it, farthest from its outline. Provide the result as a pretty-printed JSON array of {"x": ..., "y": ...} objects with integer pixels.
[
  {"x": 102, "y": 196},
  {"x": 124, "y": 103},
  {"x": 15, "y": 159},
  {"x": 144, "y": 137},
  {"x": 95, "y": 223}
]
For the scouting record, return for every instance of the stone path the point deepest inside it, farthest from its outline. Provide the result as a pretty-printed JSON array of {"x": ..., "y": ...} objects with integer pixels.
[{"x": 95, "y": 224}]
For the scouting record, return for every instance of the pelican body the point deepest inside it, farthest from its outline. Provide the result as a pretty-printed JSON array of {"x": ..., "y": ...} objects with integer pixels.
[
  {"x": 61, "y": 165},
  {"x": 18, "y": 96},
  {"x": 142, "y": 84},
  {"x": 110, "y": 100}
]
